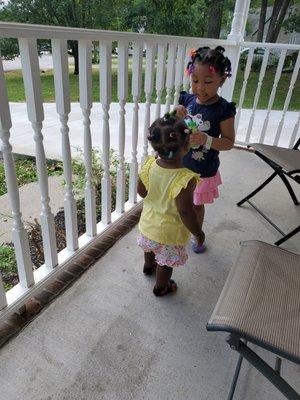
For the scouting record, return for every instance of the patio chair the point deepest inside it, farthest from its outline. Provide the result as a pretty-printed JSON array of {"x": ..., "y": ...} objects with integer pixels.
[
  {"x": 260, "y": 303},
  {"x": 286, "y": 164}
]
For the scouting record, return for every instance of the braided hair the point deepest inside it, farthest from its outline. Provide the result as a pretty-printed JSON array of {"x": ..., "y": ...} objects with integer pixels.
[
  {"x": 213, "y": 57},
  {"x": 167, "y": 135}
]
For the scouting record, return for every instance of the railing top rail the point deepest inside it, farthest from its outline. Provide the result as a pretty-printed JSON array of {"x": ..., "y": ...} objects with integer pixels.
[
  {"x": 18, "y": 30},
  {"x": 271, "y": 45}
]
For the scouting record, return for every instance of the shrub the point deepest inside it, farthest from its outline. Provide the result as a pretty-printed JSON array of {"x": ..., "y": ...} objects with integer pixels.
[{"x": 8, "y": 266}]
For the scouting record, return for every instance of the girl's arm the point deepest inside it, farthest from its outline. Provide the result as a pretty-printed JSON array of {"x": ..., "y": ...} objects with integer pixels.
[
  {"x": 225, "y": 142},
  {"x": 141, "y": 189},
  {"x": 185, "y": 207}
]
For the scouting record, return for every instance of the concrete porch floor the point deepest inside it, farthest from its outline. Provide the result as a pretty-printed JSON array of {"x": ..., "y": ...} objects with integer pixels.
[{"x": 108, "y": 338}]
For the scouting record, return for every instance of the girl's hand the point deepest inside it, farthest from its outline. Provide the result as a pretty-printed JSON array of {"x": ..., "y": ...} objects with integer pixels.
[{"x": 198, "y": 138}]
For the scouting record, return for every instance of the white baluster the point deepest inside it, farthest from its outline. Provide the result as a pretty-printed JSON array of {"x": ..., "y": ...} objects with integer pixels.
[
  {"x": 186, "y": 78},
  {"x": 85, "y": 90},
  {"x": 272, "y": 96},
  {"x": 288, "y": 99},
  {"x": 105, "y": 99},
  {"x": 137, "y": 63},
  {"x": 122, "y": 95},
  {"x": 179, "y": 72},
  {"x": 257, "y": 93},
  {"x": 243, "y": 91},
  {"x": 170, "y": 75},
  {"x": 3, "y": 302},
  {"x": 149, "y": 78},
  {"x": 32, "y": 84},
  {"x": 160, "y": 76},
  {"x": 19, "y": 233},
  {"x": 62, "y": 98},
  {"x": 294, "y": 134}
]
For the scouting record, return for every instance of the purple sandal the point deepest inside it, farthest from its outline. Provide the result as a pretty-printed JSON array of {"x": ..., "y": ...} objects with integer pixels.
[{"x": 198, "y": 248}]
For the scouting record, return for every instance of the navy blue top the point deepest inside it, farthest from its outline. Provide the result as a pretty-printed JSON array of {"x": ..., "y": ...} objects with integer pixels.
[{"x": 208, "y": 118}]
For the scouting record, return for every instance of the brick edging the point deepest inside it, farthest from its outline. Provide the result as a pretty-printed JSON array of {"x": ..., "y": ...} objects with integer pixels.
[{"x": 18, "y": 320}]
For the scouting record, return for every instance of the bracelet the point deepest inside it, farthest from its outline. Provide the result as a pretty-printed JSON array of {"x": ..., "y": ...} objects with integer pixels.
[{"x": 208, "y": 141}]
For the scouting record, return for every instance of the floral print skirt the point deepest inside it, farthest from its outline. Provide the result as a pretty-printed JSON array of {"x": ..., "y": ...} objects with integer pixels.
[{"x": 165, "y": 254}]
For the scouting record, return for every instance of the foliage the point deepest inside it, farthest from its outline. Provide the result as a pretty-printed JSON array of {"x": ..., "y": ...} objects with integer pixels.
[
  {"x": 8, "y": 266},
  {"x": 100, "y": 14},
  {"x": 26, "y": 172},
  {"x": 172, "y": 17},
  {"x": 9, "y": 48},
  {"x": 75, "y": 13},
  {"x": 79, "y": 172},
  {"x": 292, "y": 23}
]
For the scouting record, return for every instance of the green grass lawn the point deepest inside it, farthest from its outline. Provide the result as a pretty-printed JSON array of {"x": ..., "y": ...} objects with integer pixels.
[{"x": 16, "y": 89}]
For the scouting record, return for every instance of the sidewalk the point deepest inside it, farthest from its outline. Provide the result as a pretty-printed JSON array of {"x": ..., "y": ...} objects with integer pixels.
[
  {"x": 30, "y": 205},
  {"x": 22, "y": 133}
]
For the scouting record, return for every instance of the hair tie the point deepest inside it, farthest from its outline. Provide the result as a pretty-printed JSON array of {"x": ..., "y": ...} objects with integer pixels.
[
  {"x": 192, "y": 52},
  {"x": 212, "y": 69},
  {"x": 190, "y": 69},
  {"x": 173, "y": 135}
]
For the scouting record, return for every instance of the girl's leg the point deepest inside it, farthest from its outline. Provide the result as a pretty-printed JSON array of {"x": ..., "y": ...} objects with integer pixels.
[
  {"x": 197, "y": 246},
  {"x": 150, "y": 263},
  {"x": 164, "y": 283},
  {"x": 200, "y": 211}
]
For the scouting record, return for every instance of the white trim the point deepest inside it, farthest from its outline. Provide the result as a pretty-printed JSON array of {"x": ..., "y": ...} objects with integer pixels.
[
  {"x": 272, "y": 45},
  {"x": 17, "y": 30}
]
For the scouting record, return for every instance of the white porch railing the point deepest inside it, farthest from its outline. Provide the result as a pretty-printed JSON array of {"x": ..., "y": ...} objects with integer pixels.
[{"x": 164, "y": 67}]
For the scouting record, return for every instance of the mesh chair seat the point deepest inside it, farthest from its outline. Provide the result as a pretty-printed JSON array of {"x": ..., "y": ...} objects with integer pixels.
[
  {"x": 260, "y": 300},
  {"x": 287, "y": 159}
]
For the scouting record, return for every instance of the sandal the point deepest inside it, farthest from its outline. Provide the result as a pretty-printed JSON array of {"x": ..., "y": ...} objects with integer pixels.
[
  {"x": 170, "y": 287},
  {"x": 198, "y": 248},
  {"x": 149, "y": 270}
]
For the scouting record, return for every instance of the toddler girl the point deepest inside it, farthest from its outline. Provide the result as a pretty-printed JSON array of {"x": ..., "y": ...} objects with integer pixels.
[
  {"x": 214, "y": 118},
  {"x": 168, "y": 215}
]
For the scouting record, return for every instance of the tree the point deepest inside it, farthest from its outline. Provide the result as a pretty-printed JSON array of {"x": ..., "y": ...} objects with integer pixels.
[
  {"x": 262, "y": 20},
  {"x": 278, "y": 14},
  {"x": 175, "y": 17},
  {"x": 215, "y": 19},
  {"x": 172, "y": 17},
  {"x": 100, "y": 14},
  {"x": 278, "y": 18},
  {"x": 9, "y": 48}
]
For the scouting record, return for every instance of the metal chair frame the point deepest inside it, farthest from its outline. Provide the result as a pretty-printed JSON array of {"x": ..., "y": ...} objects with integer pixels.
[
  {"x": 278, "y": 171},
  {"x": 238, "y": 340}
]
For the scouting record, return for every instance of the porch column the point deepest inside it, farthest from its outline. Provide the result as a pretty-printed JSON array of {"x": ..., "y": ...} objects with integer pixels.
[{"x": 236, "y": 34}]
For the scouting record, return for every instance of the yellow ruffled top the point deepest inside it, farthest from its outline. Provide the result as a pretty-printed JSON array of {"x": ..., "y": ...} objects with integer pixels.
[{"x": 160, "y": 220}]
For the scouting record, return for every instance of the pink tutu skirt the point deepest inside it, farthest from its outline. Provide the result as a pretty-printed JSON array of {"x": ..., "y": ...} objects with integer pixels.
[{"x": 207, "y": 190}]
